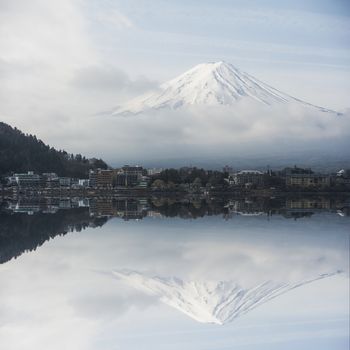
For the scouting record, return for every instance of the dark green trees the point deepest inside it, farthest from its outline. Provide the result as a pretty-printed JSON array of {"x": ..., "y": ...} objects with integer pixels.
[{"x": 21, "y": 152}]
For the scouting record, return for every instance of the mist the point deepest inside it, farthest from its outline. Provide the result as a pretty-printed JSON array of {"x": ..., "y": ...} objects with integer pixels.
[{"x": 210, "y": 136}]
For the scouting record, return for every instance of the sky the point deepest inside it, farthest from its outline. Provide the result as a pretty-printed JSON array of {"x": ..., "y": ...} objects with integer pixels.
[{"x": 65, "y": 63}]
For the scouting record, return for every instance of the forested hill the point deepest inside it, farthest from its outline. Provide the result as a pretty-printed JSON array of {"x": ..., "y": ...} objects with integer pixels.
[{"x": 21, "y": 152}]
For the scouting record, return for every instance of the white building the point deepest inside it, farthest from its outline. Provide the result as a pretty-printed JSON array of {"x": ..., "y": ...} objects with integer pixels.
[
  {"x": 247, "y": 177},
  {"x": 154, "y": 171}
]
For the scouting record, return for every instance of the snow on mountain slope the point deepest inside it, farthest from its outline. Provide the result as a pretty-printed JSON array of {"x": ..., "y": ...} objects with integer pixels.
[
  {"x": 210, "y": 84},
  {"x": 208, "y": 301}
]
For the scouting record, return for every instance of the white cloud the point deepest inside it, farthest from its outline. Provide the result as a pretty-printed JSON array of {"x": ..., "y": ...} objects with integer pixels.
[
  {"x": 111, "y": 79},
  {"x": 49, "y": 33},
  {"x": 243, "y": 131}
]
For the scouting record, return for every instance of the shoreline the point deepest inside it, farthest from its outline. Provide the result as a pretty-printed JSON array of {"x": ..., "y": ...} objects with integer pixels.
[{"x": 137, "y": 192}]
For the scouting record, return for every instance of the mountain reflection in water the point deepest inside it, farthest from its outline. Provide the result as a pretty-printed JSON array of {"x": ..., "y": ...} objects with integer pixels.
[
  {"x": 218, "y": 302},
  {"x": 163, "y": 273}
]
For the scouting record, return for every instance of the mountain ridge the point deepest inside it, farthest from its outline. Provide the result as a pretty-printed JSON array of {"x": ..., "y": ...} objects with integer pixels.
[{"x": 211, "y": 84}]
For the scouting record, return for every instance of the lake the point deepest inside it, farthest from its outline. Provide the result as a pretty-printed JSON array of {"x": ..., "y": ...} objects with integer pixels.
[{"x": 160, "y": 273}]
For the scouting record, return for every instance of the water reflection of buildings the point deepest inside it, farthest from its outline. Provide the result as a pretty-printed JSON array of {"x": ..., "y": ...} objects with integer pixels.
[
  {"x": 139, "y": 208},
  {"x": 304, "y": 207},
  {"x": 23, "y": 207},
  {"x": 294, "y": 207},
  {"x": 126, "y": 208},
  {"x": 301, "y": 207},
  {"x": 245, "y": 207},
  {"x": 308, "y": 204},
  {"x": 31, "y": 206}
]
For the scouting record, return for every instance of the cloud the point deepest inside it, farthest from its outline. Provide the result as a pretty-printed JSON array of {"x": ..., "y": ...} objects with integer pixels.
[
  {"x": 214, "y": 132},
  {"x": 52, "y": 74},
  {"x": 108, "y": 305},
  {"x": 41, "y": 45},
  {"x": 41, "y": 32},
  {"x": 99, "y": 79}
]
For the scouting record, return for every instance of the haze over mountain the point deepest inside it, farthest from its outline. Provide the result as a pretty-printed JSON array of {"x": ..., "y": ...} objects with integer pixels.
[{"x": 211, "y": 84}]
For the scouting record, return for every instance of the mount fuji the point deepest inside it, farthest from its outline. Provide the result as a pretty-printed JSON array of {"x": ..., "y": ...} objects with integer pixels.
[
  {"x": 211, "y": 84},
  {"x": 210, "y": 301}
]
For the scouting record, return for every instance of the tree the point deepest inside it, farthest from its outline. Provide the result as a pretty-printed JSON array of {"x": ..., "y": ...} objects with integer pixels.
[
  {"x": 197, "y": 183},
  {"x": 158, "y": 184},
  {"x": 21, "y": 153}
]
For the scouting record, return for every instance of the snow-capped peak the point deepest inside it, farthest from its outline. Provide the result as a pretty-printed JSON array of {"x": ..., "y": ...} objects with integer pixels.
[
  {"x": 218, "y": 302},
  {"x": 209, "y": 84}
]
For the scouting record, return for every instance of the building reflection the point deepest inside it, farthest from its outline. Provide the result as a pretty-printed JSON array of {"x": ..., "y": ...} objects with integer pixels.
[
  {"x": 26, "y": 223},
  {"x": 136, "y": 208},
  {"x": 125, "y": 208}
]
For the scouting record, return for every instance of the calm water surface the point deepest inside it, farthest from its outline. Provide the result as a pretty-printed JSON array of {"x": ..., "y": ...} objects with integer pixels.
[{"x": 135, "y": 274}]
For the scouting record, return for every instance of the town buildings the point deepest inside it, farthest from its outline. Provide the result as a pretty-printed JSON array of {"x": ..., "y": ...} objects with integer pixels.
[
  {"x": 228, "y": 169},
  {"x": 305, "y": 178},
  {"x": 25, "y": 180},
  {"x": 247, "y": 178},
  {"x": 64, "y": 181},
  {"x": 342, "y": 178},
  {"x": 154, "y": 171},
  {"x": 185, "y": 179},
  {"x": 130, "y": 176},
  {"x": 30, "y": 180},
  {"x": 101, "y": 178},
  {"x": 50, "y": 180}
]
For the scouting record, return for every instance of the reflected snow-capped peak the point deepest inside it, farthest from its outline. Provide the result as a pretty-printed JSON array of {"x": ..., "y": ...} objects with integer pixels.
[{"x": 218, "y": 302}]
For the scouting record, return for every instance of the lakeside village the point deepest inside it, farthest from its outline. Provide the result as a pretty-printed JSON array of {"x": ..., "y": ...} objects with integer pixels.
[{"x": 137, "y": 180}]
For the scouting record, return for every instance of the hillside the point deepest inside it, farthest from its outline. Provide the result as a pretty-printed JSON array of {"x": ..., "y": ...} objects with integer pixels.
[{"x": 21, "y": 152}]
